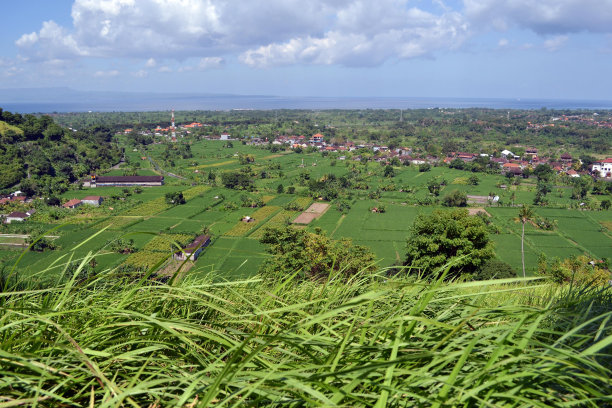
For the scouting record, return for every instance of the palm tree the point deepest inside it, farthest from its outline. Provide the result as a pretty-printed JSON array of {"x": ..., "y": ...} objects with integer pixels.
[{"x": 525, "y": 214}]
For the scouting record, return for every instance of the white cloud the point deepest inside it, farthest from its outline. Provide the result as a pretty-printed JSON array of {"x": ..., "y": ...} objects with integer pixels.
[
  {"x": 164, "y": 69},
  {"x": 27, "y": 40},
  {"x": 542, "y": 16},
  {"x": 555, "y": 43},
  {"x": 263, "y": 32},
  {"x": 106, "y": 74},
  {"x": 13, "y": 71},
  {"x": 140, "y": 74},
  {"x": 414, "y": 34},
  {"x": 279, "y": 32},
  {"x": 51, "y": 42},
  {"x": 210, "y": 63}
]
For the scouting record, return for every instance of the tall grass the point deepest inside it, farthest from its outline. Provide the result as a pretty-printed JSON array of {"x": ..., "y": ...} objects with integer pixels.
[{"x": 110, "y": 341}]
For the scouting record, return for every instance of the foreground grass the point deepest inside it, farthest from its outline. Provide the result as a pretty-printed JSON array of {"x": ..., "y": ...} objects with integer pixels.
[{"x": 370, "y": 342}]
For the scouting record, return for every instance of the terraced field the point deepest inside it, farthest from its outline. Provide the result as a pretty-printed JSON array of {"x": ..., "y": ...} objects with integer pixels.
[{"x": 235, "y": 250}]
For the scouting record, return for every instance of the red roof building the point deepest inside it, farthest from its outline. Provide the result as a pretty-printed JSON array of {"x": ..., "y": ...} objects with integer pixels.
[{"x": 74, "y": 203}]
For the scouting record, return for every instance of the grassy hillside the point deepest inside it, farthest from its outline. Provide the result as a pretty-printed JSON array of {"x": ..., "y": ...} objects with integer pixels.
[
  {"x": 372, "y": 341},
  {"x": 4, "y": 127}
]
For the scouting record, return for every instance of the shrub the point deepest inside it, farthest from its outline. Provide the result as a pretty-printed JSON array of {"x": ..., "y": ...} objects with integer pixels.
[
  {"x": 314, "y": 256},
  {"x": 455, "y": 198},
  {"x": 494, "y": 269},
  {"x": 424, "y": 167},
  {"x": 175, "y": 198}
]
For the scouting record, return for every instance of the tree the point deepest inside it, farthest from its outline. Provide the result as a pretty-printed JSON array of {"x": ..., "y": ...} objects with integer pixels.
[
  {"x": 424, "y": 167},
  {"x": 457, "y": 163},
  {"x": 605, "y": 204},
  {"x": 123, "y": 246},
  {"x": 542, "y": 189},
  {"x": 495, "y": 269},
  {"x": 39, "y": 244},
  {"x": 581, "y": 187},
  {"x": 455, "y": 198},
  {"x": 343, "y": 206},
  {"x": 543, "y": 172},
  {"x": 434, "y": 186},
  {"x": 53, "y": 201},
  {"x": 246, "y": 158},
  {"x": 280, "y": 189},
  {"x": 525, "y": 214},
  {"x": 53, "y": 132},
  {"x": 389, "y": 172},
  {"x": 312, "y": 256},
  {"x": 473, "y": 180},
  {"x": 175, "y": 198},
  {"x": 450, "y": 235},
  {"x": 237, "y": 180}
]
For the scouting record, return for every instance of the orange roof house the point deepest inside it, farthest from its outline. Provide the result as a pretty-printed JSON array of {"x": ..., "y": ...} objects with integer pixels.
[{"x": 74, "y": 203}]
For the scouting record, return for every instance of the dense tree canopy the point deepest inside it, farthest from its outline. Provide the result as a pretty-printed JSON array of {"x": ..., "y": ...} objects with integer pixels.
[
  {"x": 237, "y": 180},
  {"x": 312, "y": 256},
  {"x": 445, "y": 236},
  {"x": 43, "y": 156}
]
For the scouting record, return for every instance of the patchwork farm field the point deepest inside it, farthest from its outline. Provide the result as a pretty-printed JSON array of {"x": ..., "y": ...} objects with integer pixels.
[{"x": 235, "y": 251}]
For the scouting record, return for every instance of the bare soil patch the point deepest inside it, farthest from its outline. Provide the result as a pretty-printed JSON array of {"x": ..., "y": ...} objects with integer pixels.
[
  {"x": 474, "y": 211},
  {"x": 171, "y": 267},
  {"x": 478, "y": 199},
  {"x": 314, "y": 211}
]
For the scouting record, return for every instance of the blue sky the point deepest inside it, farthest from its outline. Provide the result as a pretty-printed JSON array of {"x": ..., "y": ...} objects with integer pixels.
[{"x": 559, "y": 49}]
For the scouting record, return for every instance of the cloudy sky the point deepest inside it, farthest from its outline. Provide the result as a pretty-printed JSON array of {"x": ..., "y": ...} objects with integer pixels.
[{"x": 558, "y": 49}]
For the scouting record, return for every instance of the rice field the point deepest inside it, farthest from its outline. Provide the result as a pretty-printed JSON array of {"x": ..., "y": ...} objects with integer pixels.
[{"x": 576, "y": 232}]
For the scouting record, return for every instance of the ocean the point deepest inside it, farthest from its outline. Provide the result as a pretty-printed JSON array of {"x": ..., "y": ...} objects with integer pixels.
[{"x": 159, "y": 102}]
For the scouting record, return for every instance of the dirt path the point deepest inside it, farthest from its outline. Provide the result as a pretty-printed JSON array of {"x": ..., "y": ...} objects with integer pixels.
[
  {"x": 25, "y": 236},
  {"x": 160, "y": 170},
  {"x": 338, "y": 225}
]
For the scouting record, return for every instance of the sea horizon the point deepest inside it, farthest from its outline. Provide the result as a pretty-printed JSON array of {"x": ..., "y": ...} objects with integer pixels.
[{"x": 67, "y": 100}]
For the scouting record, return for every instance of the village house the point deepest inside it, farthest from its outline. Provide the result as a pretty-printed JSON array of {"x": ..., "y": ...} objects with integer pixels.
[
  {"x": 416, "y": 161},
  {"x": 18, "y": 216},
  {"x": 604, "y": 168},
  {"x": 193, "y": 250},
  {"x": 74, "y": 203},
  {"x": 125, "y": 181},
  {"x": 466, "y": 157},
  {"x": 318, "y": 138},
  {"x": 513, "y": 168},
  {"x": 92, "y": 200},
  {"x": 572, "y": 173},
  {"x": 13, "y": 198},
  {"x": 21, "y": 199}
]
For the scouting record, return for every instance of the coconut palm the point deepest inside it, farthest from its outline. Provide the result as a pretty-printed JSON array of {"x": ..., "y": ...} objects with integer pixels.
[{"x": 525, "y": 214}]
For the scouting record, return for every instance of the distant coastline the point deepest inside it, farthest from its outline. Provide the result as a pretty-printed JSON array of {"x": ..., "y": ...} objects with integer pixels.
[{"x": 49, "y": 100}]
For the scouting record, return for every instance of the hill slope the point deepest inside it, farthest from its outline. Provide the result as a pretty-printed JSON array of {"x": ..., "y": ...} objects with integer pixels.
[
  {"x": 4, "y": 127},
  {"x": 369, "y": 342}
]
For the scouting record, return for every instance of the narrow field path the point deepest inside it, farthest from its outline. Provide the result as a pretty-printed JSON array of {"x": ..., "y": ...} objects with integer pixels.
[{"x": 338, "y": 225}]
